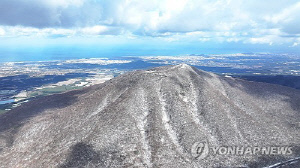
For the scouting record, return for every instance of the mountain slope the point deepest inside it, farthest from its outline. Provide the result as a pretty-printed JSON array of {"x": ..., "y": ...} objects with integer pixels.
[{"x": 152, "y": 119}]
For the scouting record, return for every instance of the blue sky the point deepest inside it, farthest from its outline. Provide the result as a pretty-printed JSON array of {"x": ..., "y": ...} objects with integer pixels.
[{"x": 203, "y": 26}]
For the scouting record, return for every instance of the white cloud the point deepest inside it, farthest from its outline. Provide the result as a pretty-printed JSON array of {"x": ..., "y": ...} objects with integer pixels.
[
  {"x": 17, "y": 31},
  {"x": 49, "y": 13},
  {"x": 2, "y": 32},
  {"x": 64, "y": 3},
  {"x": 295, "y": 44},
  {"x": 260, "y": 40},
  {"x": 287, "y": 19},
  {"x": 252, "y": 21},
  {"x": 95, "y": 30}
]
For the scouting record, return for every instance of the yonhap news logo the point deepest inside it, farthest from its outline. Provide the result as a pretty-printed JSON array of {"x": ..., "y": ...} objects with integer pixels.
[{"x": 201, "y": 150}]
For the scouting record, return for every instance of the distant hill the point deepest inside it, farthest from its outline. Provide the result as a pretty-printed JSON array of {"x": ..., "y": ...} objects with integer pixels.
[{"x": 154, "y": 118}]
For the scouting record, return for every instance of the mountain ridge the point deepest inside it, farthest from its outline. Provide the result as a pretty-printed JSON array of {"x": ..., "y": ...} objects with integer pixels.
[{"x": 151, "y": 118}]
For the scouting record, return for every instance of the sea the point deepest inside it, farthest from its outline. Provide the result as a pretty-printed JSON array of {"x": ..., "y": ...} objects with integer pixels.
[{"x": 49, "y": 53}]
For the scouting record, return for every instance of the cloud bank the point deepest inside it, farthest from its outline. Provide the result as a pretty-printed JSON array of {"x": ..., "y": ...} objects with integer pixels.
[{"x": 252, "y": 21}]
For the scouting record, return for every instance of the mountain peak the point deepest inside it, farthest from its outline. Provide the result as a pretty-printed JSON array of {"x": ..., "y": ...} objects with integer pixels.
[
  {"x": 184, "y": 66},
  {"x": 176, "y": 70}
]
